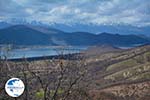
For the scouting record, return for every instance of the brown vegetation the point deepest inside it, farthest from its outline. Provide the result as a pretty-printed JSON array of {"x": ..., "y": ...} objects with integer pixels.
[{"x": 112, "y": 75}]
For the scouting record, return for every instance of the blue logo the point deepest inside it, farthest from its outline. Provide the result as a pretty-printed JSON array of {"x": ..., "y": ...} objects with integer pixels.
[{"x": 14, "y": 87}]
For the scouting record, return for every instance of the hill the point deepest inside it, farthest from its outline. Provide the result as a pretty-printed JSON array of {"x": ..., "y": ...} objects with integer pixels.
[
  {"x": 121, "y": 75},
  {"x": 112, "y": 74},
  {"x": 34, "y": 35},
  {"x": 23, "y": 35}
]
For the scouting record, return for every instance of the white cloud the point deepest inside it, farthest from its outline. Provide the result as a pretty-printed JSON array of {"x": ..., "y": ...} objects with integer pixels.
[
  {"x": 29, "y": 11},
  {"x": 135, "y": 12}
]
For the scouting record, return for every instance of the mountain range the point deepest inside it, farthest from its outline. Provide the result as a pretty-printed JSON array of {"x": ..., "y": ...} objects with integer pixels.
[
  {"x": 91, "y": 28},
  {"x": 39, "y": 35}
]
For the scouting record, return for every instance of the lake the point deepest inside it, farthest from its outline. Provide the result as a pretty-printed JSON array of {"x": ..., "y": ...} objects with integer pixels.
[
  {"x": 40, "y": 52},
  {"x": 27, "y": 52}
]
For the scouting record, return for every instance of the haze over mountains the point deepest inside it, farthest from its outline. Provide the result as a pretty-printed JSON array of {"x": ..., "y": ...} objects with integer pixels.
[{"x": 39, "y": 35}]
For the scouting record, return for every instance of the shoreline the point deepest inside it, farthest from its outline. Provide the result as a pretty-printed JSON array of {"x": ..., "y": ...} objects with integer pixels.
[{"x": 64, "y": 56}]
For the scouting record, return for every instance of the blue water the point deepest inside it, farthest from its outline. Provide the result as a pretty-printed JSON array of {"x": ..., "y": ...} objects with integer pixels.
[
  {"x": 46, "y": 51},
  {"x": 39, "y": 52}
]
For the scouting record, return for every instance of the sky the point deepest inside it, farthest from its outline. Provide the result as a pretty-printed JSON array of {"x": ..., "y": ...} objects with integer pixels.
[{"x": 98, "y": 12}]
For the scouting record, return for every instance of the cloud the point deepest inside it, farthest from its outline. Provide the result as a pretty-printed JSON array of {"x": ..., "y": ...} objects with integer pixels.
[{"x": 135, "y": 12}]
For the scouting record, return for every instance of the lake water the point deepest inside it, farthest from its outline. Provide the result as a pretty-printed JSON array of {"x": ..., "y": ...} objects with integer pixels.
[
  {"x": 45, "y": 51},
  {"x": 39, "y": 52}
]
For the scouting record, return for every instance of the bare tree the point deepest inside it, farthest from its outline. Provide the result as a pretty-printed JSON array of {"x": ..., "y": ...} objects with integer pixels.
[
  {"x": 54, "y": 79},
  {"x": 57, "y": 78}
]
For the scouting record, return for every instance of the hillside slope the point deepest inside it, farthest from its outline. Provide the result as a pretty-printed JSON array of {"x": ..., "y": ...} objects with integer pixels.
[
  {"x": 121, "y": 73},
  {"x": 34, "y": 35}
]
